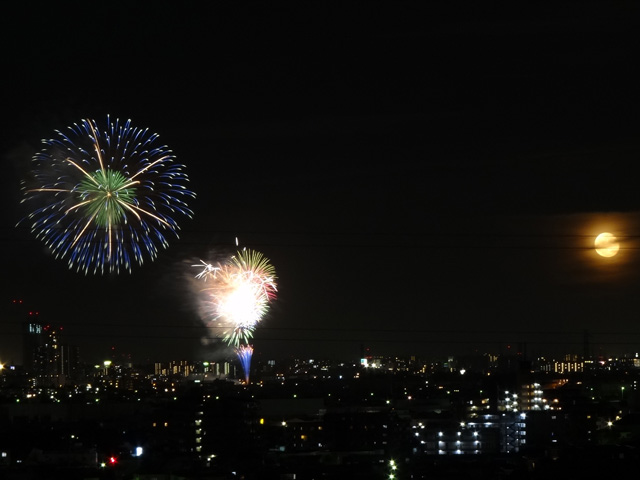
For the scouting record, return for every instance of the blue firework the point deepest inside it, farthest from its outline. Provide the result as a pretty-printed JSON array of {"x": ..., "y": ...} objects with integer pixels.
[
  {"x": 106, "y": 198},
  {"x": 244, "y": 353}
]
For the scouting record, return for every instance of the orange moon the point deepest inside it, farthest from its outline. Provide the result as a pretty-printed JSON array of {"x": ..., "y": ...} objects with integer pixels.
[{"x": 607, "y": 245}]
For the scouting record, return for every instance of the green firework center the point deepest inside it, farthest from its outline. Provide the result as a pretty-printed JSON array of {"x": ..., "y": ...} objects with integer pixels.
[{"x": 107, "y": 194}]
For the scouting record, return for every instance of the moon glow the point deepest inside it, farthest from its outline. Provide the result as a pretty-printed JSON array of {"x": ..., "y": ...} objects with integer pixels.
[{"x": 606, "y": 245}]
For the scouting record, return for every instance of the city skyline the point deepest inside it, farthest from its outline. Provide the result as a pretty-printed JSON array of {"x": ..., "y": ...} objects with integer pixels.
[
  {"x": 417, "y": 418},
  {"x": 423, "y": 178},
  {"x": 30, "y": 340}
]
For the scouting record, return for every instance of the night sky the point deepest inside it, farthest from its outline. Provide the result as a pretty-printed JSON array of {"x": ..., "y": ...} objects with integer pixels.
[{"x": 426, "y": 177}]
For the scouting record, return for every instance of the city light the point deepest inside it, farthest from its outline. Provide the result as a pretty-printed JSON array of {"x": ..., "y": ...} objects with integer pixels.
[
  {"x": 457, "y": 243},
  {"x": 488, "y": 424},
  {"x": 392, "y": 467}
]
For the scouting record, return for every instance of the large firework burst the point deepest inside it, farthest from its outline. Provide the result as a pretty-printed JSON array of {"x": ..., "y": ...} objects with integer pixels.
[
  {"x": 238, "y": 294},
  {"x": 105, "y": 198}
]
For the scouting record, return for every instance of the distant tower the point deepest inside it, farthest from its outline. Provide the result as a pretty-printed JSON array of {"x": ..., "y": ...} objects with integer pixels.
[
  {"x": 32, "y": 341},
  {"x": 586, "y": 346},
  {"x": 46, "y": 360},
  {"x": 365, "y": 352},
  {"x": 522, "y": 350}
]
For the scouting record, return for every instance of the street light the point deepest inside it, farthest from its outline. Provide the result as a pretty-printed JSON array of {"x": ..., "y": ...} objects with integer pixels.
[{"x": 393, "y": 467}]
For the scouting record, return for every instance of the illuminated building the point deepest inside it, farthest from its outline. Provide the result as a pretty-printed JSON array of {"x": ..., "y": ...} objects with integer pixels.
[
  {"x": 33, "y": 341},
  {"x": 488, "y": 433},
  {"x": 570, "y": 364},
  {"x": 46, "y": 359}
]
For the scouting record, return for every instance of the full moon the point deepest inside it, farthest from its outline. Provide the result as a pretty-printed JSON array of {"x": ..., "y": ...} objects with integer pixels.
[{"x": 606, "y": 245}]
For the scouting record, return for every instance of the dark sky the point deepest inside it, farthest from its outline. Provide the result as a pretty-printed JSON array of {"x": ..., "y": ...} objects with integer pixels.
[{"x": 426, "y": 177}]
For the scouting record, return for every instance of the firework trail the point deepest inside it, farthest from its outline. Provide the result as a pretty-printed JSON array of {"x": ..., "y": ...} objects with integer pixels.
[
  {"x": 105, "y": 198},
  {"x": 244, "y": 353},
  {"x": 237, "y": 294}
]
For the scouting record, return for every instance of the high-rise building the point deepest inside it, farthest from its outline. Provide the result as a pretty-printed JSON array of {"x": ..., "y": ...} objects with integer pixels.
[
  {"x": 32, "y": 340},
  {"x": 47, "y": 359}
]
